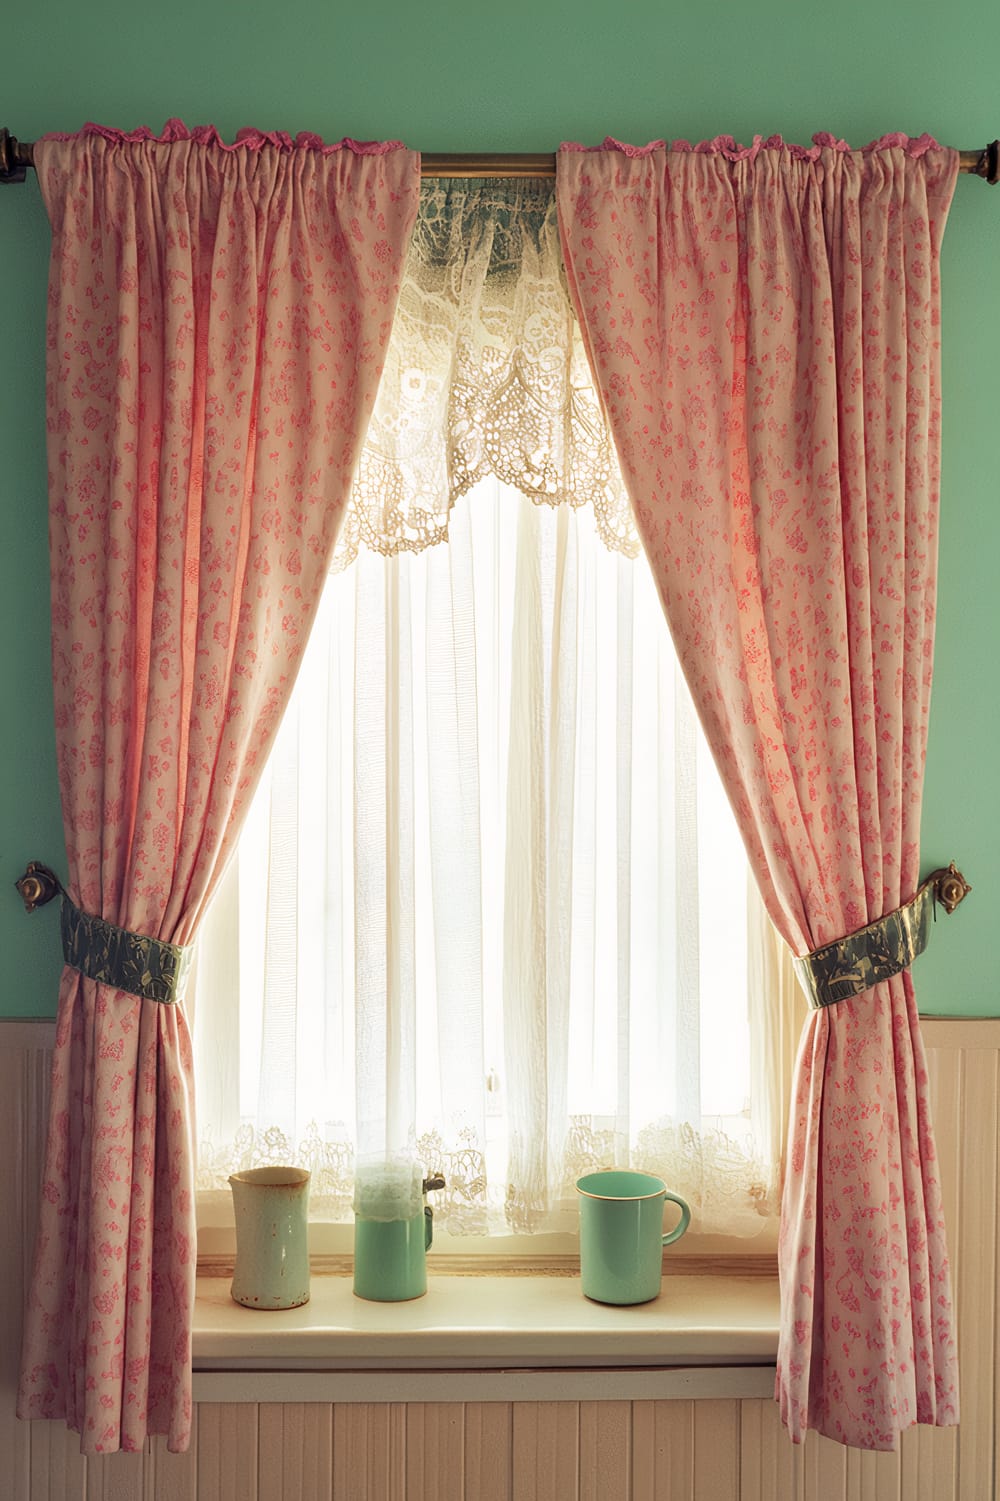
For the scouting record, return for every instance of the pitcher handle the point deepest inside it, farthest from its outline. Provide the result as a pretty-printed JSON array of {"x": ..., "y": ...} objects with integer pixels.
[
  {"x": 678, "y": 1230},
  {"x": 429, "y": 1227}
]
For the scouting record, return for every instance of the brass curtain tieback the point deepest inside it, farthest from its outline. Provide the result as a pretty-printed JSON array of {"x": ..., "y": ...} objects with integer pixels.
[
  {"x": 142, "y": 966},
  {"x": 853, "y": 964}
]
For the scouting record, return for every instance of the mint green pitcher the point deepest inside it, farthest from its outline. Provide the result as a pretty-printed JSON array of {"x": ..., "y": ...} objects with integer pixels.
[
  {"x": 272, "y": 1243},
  {"x": 393, "y": 1231}
]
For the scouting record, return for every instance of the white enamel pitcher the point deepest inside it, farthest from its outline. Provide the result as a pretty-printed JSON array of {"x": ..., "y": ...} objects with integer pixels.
[{"x": 272, "y": 1244}]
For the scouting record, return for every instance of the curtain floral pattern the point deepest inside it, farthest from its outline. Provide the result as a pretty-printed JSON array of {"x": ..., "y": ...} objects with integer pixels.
[
  {"x": 218, "y": 317},
  {"x": 763, "y": 326}
]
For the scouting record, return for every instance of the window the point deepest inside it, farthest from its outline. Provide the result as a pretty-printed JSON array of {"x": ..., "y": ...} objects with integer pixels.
[{"x": 490, "y": 905}]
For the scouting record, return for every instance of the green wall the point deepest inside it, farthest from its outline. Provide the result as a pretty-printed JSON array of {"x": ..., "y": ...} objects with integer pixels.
[{"x": 442, "y": 75}]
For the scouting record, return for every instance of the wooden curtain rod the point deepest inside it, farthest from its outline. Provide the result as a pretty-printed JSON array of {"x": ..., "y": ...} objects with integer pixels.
[{"x": 17, "y": 156}]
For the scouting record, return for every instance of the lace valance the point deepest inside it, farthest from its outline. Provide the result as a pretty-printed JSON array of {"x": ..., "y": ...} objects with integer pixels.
[{"x": 485, "y": 373}]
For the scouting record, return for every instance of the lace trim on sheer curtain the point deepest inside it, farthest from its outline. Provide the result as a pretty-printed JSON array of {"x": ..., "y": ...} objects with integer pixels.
[
  {"x": 485, "y": 374},
  {"x": 727, "y": 1181}
]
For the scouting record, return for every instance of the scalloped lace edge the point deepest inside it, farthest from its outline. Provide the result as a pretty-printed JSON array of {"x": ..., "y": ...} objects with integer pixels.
[
  {"x": 726, "y": 146},
  {"x": 246, "y": 139}
]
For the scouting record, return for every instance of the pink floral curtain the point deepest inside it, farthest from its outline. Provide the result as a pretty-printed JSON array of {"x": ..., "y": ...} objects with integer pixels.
[
  {"x": 763, "y": 327},
  {"x": 217, "y": 322}
]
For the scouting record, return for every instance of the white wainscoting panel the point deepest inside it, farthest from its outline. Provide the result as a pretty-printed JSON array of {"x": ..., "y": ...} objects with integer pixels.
[{"x": 707, "y": 1449}]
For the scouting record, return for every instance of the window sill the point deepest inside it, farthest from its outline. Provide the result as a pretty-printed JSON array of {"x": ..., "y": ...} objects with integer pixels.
[{"x": 490, "y": 1338}]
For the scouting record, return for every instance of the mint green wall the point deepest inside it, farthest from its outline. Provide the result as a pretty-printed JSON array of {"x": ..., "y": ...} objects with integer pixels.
[{"x": 514, "y": 76}]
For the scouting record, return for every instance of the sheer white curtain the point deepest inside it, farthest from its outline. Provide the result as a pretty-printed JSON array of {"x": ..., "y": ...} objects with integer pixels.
[{"x": 490, "y": 904}]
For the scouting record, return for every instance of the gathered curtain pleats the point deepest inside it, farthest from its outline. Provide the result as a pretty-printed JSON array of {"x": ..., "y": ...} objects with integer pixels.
[
  {"x": 762, "y": 324},
  {"x": 218, "y": 317}
]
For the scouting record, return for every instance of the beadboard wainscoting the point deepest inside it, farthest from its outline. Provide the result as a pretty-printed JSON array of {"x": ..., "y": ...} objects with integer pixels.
[{"x": 691, "y": 1448}]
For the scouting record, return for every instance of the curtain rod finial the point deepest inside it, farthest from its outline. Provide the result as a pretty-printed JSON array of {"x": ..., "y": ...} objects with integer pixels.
[
  {"x": 988, "y": 163},
  {"x": 13, "y": 167}
]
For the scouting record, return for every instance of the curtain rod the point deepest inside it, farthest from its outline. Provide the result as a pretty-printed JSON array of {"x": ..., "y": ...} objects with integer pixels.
[
  {"x": 17, "y": 156},
  {"x": 984, "y": 163}
]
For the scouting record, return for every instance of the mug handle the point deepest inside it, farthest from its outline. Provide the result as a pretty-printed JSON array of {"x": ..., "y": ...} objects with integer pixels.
[
  {"x": 428, "y": 1227},
  {"x": 678, "y": 1230}
]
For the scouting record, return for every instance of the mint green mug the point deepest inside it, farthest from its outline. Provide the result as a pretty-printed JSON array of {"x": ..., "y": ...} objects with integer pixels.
[{"x": 621, "y": 1234}]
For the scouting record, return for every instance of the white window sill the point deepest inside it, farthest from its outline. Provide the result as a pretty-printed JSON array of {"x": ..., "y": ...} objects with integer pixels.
[{"x": 490, "y": 1338}]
